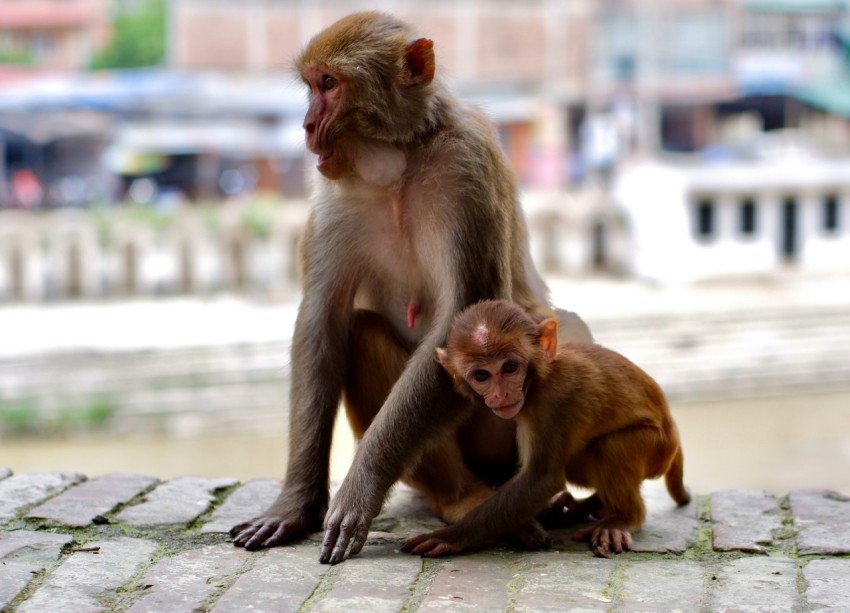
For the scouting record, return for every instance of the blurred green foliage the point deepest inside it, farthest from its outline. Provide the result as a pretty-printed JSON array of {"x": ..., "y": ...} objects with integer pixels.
[
  {"x": 23, "y": 418},
  {"x": 258, "y": 218},
  {"x": 16, "y": 57},
  {"x": 18, "y": 418},
  {"x": 138, "y": 37}
]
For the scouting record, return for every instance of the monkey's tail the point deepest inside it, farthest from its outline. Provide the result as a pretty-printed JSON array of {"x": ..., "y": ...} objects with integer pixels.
[{"x": 674, "y": 480}]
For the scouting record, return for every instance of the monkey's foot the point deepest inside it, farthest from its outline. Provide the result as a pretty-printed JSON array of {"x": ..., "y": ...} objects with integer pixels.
[
  {"x": 605, "y": 540},
  {"x": 564, "y": 510},
  {"x": 532, "y": 536},
  {"x": 268, "y": 530},
  {"x": 435, "y": 544},
  {"x": 556, "y": 514}
]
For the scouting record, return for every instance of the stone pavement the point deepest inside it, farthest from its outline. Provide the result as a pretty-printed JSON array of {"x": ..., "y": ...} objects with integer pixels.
[{"x": 123, "y": 542}]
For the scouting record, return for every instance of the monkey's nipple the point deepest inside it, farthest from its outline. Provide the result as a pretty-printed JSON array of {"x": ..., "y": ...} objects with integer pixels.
[{"x": 412, "y": 312}]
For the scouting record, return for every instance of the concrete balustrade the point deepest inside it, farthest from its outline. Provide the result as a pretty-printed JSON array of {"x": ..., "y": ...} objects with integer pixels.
[
  {"x": 241, "y": 248},
  {"x": 71, "y": 254}
]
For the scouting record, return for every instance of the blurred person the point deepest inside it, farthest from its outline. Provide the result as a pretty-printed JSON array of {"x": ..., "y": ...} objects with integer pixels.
[{"x": 26, "y": 189}]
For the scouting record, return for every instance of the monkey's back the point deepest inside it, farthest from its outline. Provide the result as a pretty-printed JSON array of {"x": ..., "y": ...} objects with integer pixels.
[{"x": 602, "y": 391}]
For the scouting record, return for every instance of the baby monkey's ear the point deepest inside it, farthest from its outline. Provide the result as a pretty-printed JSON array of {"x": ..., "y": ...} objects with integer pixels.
[
  {"x": 443, "y": 357},
  {"x": 549, "y": 339}
]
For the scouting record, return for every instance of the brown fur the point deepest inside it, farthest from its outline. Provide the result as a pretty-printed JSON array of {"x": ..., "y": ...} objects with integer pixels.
[
  {"x": 415, "y": 217},
  {"x": 588, "y": 416}
]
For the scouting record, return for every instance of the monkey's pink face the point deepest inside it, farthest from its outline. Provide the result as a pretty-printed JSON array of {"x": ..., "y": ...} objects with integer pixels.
[
  {"x": 326, "y": 92},
  {"x": 499, "y": 382}
]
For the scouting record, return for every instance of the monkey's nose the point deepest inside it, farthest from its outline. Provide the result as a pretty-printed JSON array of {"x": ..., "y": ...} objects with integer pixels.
[{"x": 310, "y": 127}]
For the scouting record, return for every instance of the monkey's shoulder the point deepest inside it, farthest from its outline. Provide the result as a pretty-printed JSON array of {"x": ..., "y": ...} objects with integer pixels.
[
  {"x": 466, "y": 140},
  {"x": 584, "y": 368}
]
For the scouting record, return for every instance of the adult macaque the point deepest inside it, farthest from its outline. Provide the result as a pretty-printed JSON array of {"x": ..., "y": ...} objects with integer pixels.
[
  {"x": 584, "y": 414},
  {"x": 415, "y": 217}
]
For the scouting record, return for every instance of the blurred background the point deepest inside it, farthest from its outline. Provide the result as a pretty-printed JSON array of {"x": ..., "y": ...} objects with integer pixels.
[{"x": 685, "y": 169}]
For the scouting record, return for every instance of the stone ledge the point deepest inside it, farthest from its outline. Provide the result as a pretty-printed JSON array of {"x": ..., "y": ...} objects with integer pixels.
[{"x": 130, "y": 542}]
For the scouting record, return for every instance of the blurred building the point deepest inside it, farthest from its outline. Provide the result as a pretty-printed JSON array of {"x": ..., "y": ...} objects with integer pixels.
[
  {"x": 785, "y": 210},
  {"x": 582, "y": 91},
  {"x": 521, "y": 60},
  {"x": 559, "y": 77},
  {"x": 43, "y": 36},
  {"x": 45, "y": 151}
]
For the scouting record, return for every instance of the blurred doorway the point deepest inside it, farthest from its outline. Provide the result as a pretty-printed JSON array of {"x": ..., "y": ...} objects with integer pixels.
[{"x": 789, "y": 240}]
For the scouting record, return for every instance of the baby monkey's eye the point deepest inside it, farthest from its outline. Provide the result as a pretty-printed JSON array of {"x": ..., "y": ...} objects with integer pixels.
[
  {"x": 510, "y": 366},
  {"x": 480, "y": 375},
  {"x": 328, "y": 82}
]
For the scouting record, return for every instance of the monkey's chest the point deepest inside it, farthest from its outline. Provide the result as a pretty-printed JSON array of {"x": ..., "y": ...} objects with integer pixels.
[{"x": 399, "y": 284}]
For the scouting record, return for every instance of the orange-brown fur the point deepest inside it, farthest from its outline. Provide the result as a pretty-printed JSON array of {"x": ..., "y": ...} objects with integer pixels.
[
  {"x": 589, "y": 416},
  {"x": 415, "y": 216}
]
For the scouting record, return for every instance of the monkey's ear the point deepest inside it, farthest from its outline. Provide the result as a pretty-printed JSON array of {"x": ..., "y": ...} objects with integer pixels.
[
  {"x": 443, "y": 357},
  {"x": 419, "y": 62},
  {"x": 549, "y": 338}
]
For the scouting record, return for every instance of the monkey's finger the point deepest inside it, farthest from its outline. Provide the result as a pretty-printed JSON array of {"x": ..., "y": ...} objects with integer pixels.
[
  {"x": 360, "y": 536},
  {"x": 331, "y": 536},
  {"x": 338, "y": 553},
  {"x": 442, "y": 549},
  {"x": 600, "y": 542},
  {"x": 423, "y": 548},
  {"x": 616, "y": 541},
  {"x": 411, "y": 543},
  {"x": 625, "y": 540},
  {"x": 599, "y": 536},
  {"x": 236, "y": 530},
  {"x": 254, "y": 537},
  {"x": 278, "y": 536},
  {"x": 601, "y": 551}
]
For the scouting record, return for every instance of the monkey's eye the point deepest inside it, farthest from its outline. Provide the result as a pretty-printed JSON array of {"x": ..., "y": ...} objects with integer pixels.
[
  {"x": 510, "y": 366},
  {"x": 328, "y": 82},
  {"x": 480, "y": 375}
]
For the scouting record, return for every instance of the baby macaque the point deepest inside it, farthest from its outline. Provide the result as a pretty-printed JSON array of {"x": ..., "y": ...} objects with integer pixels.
[{"x": 584, "y": 414}]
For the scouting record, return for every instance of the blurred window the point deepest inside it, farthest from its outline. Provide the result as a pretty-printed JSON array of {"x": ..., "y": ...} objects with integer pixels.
[
  {"x": 749, "y": 217},
  {"x": 634, "y": 43},
  {"x": 779, "y": 31},
  {"x": 831, "y": 219},
  {"x": 704, "y": 219},
  {"x": 693, "y": 43},
  {"x": 618, "y": 46},
  {"x": 42, "y": 46}
]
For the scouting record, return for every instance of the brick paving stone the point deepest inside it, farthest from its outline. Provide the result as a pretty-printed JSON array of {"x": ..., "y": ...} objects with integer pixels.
[
  {"x": 828, "y": 584},
  {"x": 26, "y": 489},
  {"x": 281, "y": 579},
  {"x": 668, "y": 528},
  {"x": 565, "y": 581},
  {"x": 87, "y": 581},
  {"x": 822, "y": 518},
  {"x": 751, "y": 585},
  {"x": 184, "y": 582},
  {"x": 377, "y": 580},
  {"x": 662, "y": 585},
  {"x": 744, "y": 520},
  {"x": 23, "y": 553},
  {"x": 246, "y": 502},
  {"x": 477, "y": 582},
  {"x": 178, "y": 501},
  {"x": 82, "y": 505}
]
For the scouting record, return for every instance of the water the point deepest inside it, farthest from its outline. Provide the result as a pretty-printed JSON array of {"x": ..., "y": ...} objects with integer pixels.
[{"x": 773, "y": 443}]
